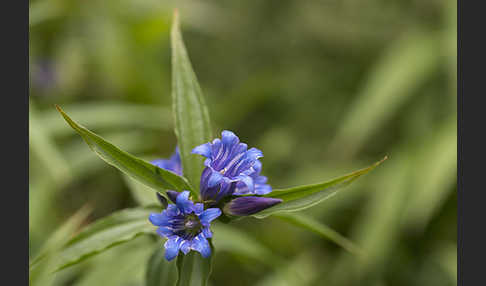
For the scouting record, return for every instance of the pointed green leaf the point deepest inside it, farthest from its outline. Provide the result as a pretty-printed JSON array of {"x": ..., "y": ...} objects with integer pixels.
[
  {"x": 192, "y": 125},
  {"x": 303, "y": 197},
  {"x": 323, "y": 230},
  {"x": 144, "y": 172},
  {"x": 117, "y": 228}
]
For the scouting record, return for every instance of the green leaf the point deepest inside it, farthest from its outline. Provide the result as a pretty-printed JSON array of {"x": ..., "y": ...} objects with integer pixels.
[
  {"x": 303, "y": 197},
  {"x": 142, "y": 194},
  {"x": 239, "y": 243},
  {"x": 110, "y": 115},
  {"x": 205, "y": 265},
  {"x": 159, "y": 270},
  {"x": 117, "y": 228},
  {"x": 40, "y": 266},
  {"x": 144, "y": 172},
  {"x": 323, "y": 230},
  {"x": 192, "y": 125},
  {"x": 193, "y": 269},
  {"x": 403, "y": 67},
  {"x": 184, "y": 268}
]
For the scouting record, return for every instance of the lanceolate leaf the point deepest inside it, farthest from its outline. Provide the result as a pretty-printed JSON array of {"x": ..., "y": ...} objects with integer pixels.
[
  {"x": 303, "y": 197},
  {"x": 192, "y": 125},
  {"x": 119, "y": 227},
  {"x": 323, "y": 230},
  {"x": 142, "y": 171}
]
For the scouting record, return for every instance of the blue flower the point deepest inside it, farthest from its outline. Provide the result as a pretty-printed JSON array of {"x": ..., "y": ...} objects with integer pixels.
[
  {"x": 186, "y": 226},
  {"x": 231, "y": 168},
  {"x": 174, "y": 164}
]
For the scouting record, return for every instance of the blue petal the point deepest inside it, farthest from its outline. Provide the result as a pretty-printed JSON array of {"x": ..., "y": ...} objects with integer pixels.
[
  {"x": 164, "y": 231},
  {"x": 226, "y": 189},
  {"x": 208, "y": 215},
  {"x": 172, "y": 247},
  {"x": 229, "y": 138},
  {"x": 207, "y": 232},
  {"x": 185, "y": 246},
  {"x": 248, "y": 181},
  {"x": 214, "y": 179},
  {"x": 174, "y": 164},
  {"x": 262, "y": 189},
  {"x": 254, "y": 153},
  {"x": 204, "y": 150},
  {"x": 172, "y": 210},
  {"x": 200, "y": 244},
  {"x": 183, "y": 203},
  {"x": 159, "y": 219},
  {"x": 198, "y": 208}
]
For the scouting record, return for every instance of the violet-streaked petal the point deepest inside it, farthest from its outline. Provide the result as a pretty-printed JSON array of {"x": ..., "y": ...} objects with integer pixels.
[
  {"x": 164, "y": 231},
  {"x": 159, "y": 219},
  {"x": 248, "y": 181},
  {"x": 244, "y": 206},
  {"x": 204, "y": 150},
  {"x": 200, "y": 244},
  {"x": 207, "y": 232},
  {"x": 208, "y": 215},
  {"x": 214, "y": 179}
]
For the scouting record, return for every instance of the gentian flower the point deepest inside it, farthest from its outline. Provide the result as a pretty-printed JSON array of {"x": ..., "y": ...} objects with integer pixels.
[
  {"x": 231, "y": 169},
  {"x": 173, "y": 164},
  {"x": 186, "y": 226}
]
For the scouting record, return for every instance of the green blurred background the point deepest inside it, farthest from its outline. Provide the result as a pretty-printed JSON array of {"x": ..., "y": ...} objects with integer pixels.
[{"x": 321, "y": 87}]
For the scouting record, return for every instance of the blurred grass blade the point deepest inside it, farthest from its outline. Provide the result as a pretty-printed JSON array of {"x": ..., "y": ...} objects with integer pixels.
[
  {"x": 40, "y": 142},
  {"x": 403, "y": 68},
  {"x": 236, "y": 242},
  {"x": 323, "y": 230},
  {"x": 146, "y": 173},
  {"x": 109, "y": 115},
  {"x": 117, "y": 228},
  {"x": 123, "y": 265},
  {"x": 192, "y": 125},
  {"x": 303, "y": 197},
  {"x": 39, "y": 267},
  {"x": 159, "y": 270}
]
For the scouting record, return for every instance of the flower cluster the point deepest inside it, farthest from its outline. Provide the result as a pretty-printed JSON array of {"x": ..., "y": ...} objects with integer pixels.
[
  {"x": 185, "y": 225},
  {"x": 231, "y": 171}
]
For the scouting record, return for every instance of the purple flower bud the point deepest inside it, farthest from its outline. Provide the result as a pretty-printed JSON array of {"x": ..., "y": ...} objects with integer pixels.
[
  {"x": 243, "y": 206},
  {"x": 172, "y": 195}
]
